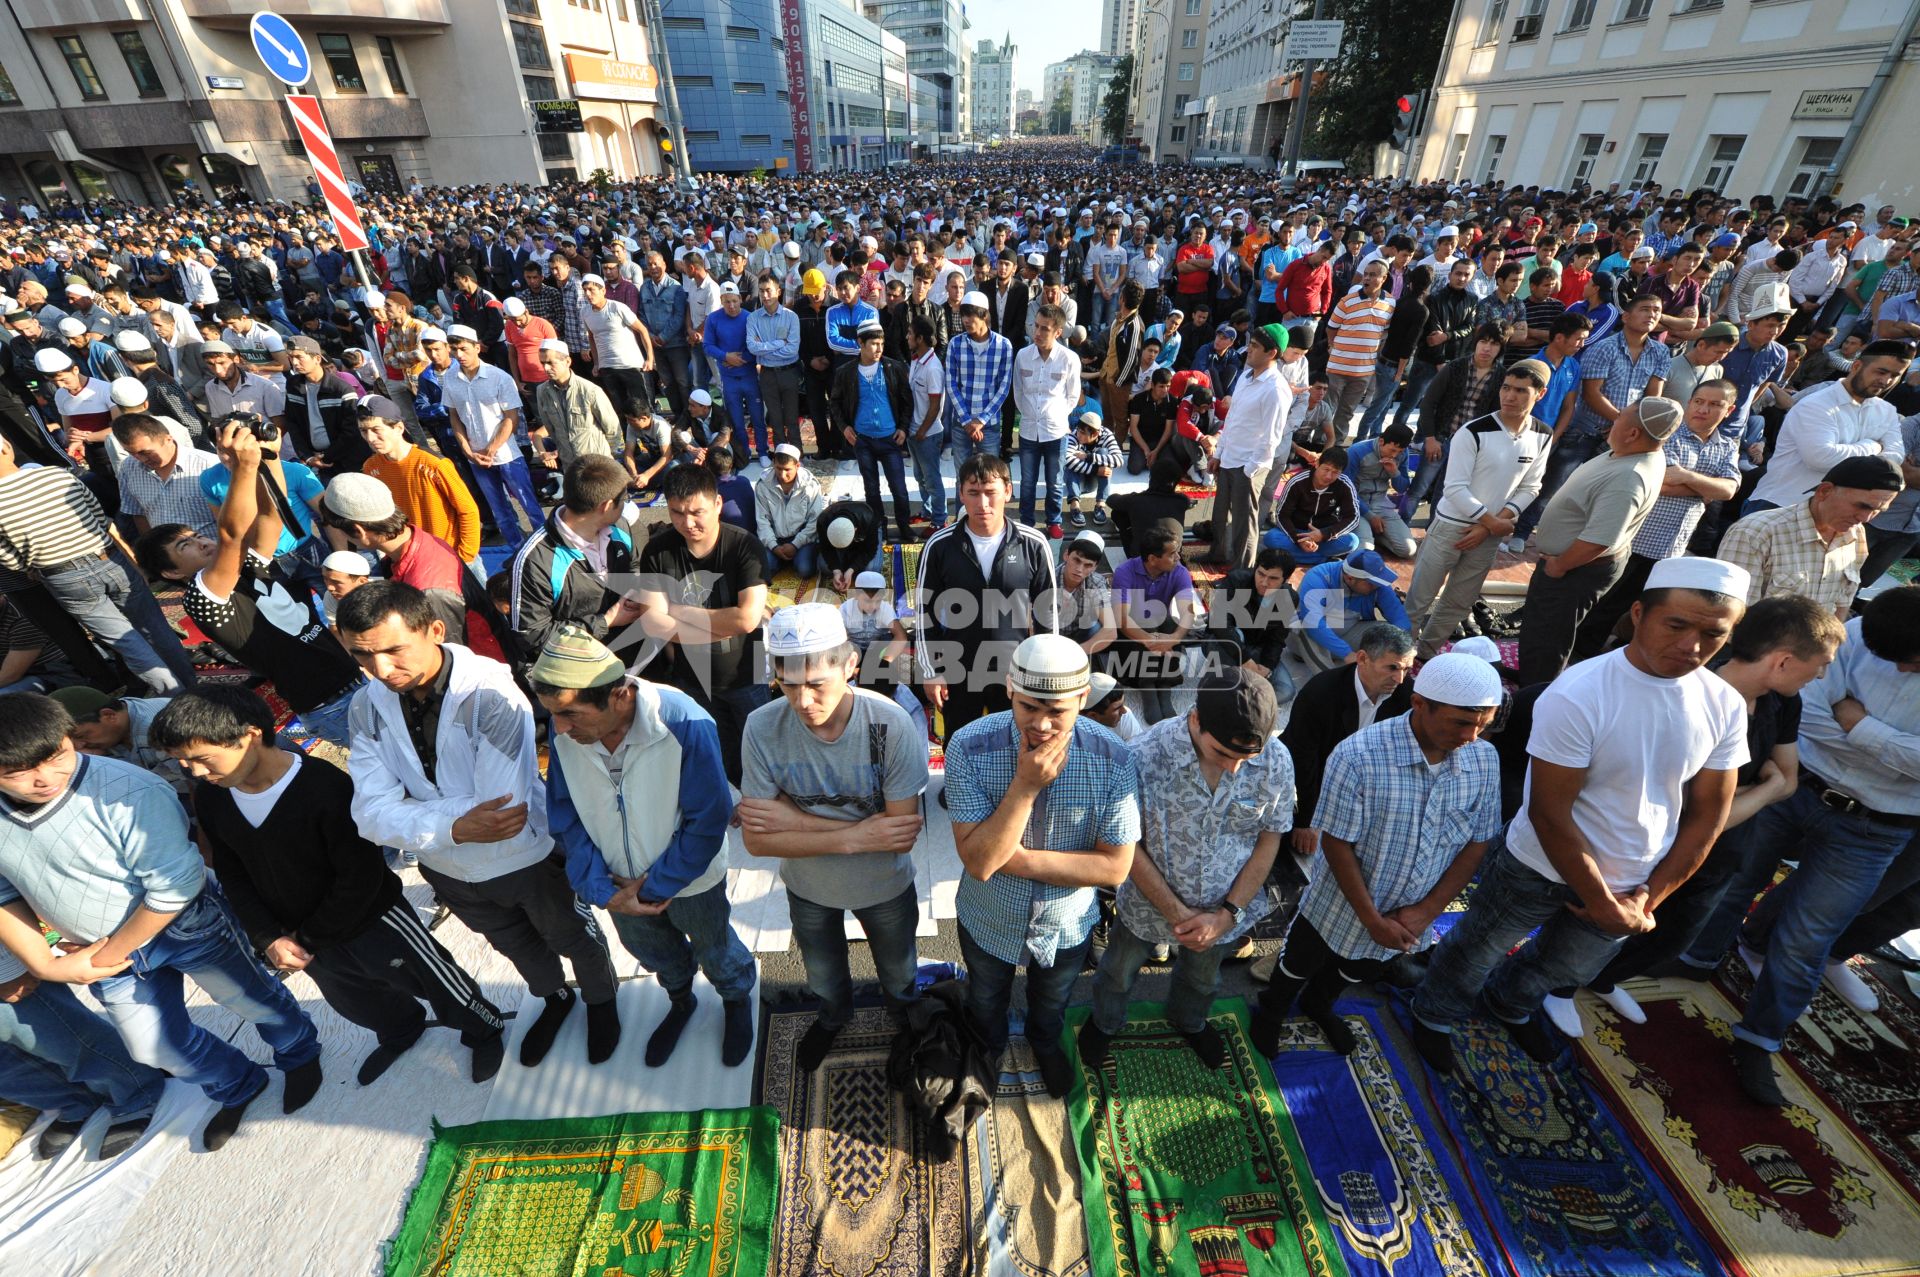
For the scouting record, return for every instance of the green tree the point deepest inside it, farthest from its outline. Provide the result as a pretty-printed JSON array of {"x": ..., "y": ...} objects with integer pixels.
[
  {"x": 1060, "y": 110},
  {"x": 1113, "y": 108},
  {"x": 1387, "y": 50}
]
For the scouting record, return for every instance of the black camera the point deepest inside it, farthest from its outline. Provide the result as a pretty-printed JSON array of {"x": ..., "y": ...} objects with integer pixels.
[{"x": 262, "y": 428}]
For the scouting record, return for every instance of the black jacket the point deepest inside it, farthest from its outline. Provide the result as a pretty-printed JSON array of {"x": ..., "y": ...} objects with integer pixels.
[
  {"x": 844, "y": 399},
  {"x": 254, "y": 281},
  {"x": 345, "y": 450},
  {"x": 1445, "y": 391},
  {"x": 550, "y": 583},
  {"x": 1455, "y": 312},
  {"x": 898, "y": 316},
  {"x": 962, "y": 611},
  {"x": 1326, "y": 712},
  {"x": 1022, "y": 296}
]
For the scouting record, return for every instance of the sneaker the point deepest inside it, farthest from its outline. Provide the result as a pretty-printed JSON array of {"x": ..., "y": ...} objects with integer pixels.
[
  {"x": 1514, "y": 545},
  {"x": 1565, "y": 1016},
  {"x": 1055, "y": 532},
  {"x": 1076, "y": 517},
  {"x": 1624, "y": 1005},
  {"x": 1100, "y": 515},
  {"x": 1853, "y": 991}
]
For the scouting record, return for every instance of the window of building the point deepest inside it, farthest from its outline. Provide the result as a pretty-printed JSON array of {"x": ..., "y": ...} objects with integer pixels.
[
  {"x": 1634, "y": 11},
  {"x": 81, "y": 64},
  {"x": 1580, "y": 15},
  {"x": 390, "y": 59},
  {"x": 1646, "y": 156},
  {"x": 9, "y": 96},
  {"x": 703, "y": 135},
  {"x": 1459, "y": 163},
  {"x": 694, "y": 81},
  {"x": 742, "y": 33},
  {"x": 1186, "y": 73},
  {"x": 1816, "y": 157},
  {"x": 556, "y": 146},
  {"x": 133, "y": 51},
  {"x": 1496, "y": 149},
  {"x": 1177, "y": 134},
  {"x": 1586, "y": 153},
  {"x": 1698, "y": 6},
  {"x": 756, "y": 139},
  {"x": 1724, "y": 154},
  {"x": 1180, "y": 101},
  {"x": 1533, "y": 16},
  {"x": 685, "y": 24},
  {"x": 530, "y": 44},
  {"x": 524, "y": 8},
  {"x": 561, "y": 174},
  {"x": 541, "y": 88},
  {"x": 1489, "y": 32},
  {"x": 620, "y": 10},
  {"x": 749, "y": 86},
  {"x": 344, "y": 63},
  {"x": 1193, "y": 8},
  {"x": 1190, "y": 39}
]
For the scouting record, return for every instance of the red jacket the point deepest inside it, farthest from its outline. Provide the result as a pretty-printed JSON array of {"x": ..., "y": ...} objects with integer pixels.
[{"x": 1304, "y": 288}]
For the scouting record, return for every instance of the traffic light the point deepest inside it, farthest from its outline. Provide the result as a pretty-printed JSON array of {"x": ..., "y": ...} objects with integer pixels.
[{"x": 1406, "y": 107}]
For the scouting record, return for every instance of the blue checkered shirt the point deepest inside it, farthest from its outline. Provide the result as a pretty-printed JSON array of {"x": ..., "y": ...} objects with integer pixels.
[
  {"x": 1406, "y": 820},
  {"x": 1094, "y": 799},
  {"x": 115, "y": 838},
  {"x": 1669, "y": 525},
  {"x": 1623, "y": 379},
  {"x": 979, "y": 378}
]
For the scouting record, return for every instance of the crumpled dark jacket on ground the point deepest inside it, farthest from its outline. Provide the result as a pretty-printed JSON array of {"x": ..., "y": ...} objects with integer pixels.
[{"x": 942, "y": 1068}]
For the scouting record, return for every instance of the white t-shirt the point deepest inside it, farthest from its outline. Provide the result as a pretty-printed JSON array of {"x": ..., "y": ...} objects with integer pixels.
[
  {"x": 1641, "y": 739},
  {"x": 614, "y": 344},
  {"x": 256, "y": 341},
  {"x": 257, "y": 807},
  {"x": 984, "y": 549},
  {"x": 928, "y": 378},
  {"x": 867, "y": 627}
]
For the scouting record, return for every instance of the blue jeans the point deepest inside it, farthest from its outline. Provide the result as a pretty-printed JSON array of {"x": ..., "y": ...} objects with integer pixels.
[
  {"x": 1196, "y": 978},
  {"x": 1568, "y": 455},
  {"x": 926, "y": 474},
  {"x": 821, "y": 933},
  {"x": 1755, "y": 505},
  {"x": 1338, "y": 548},
  {"x": 1279, "y": 679},
  {"x": 1103, "y": 310},
  {"x": 111, "y": 599},
  {"x": 31, "y": 683},
  {"x": 500, "y": 486},
  {"x": 740, "y": 390},
  {"x": 990, "y": 992},
  {"x": 962, "y": 447},
  {"x": 1386, "y": 379},
  {"x": 1426, "y": 476},
  {"x": 1511, "y": 901},
  {"x": 873, "y": 454},
  {"x": 1419, "y": 373},
  {"x": 1100, "y": 483},
  {"x": 1034, "y": 456},
  {"x": 61, "y": 1057},
  {"x": 695, "y": 930},
  {"x": 805, "y": 560},
  {"x": 1842, "y": 859},
  {"x": 329, "y": 721},
  {"x": 148, "y": 1004}
]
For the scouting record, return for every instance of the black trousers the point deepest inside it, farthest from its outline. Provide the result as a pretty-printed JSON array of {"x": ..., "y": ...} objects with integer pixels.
[
  {"x": 1591, "y": 639},
  {"x": 1311, "y": 972},
  {"x": 378, "y": 978},
  {"x": 966, "y": 704},
  {"x": 1556, "y": 605},
  {"x": 533, "y": 918}
]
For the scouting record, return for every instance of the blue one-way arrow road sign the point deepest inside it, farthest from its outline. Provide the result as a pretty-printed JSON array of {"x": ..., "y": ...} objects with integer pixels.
[{"x": 281, "y": 49}]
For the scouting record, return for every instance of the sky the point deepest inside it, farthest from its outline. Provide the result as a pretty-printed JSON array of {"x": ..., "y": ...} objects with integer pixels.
[{"x": 1068, "y": 27}]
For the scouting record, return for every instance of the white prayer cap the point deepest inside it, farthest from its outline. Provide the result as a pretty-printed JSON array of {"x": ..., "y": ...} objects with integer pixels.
[
  {"x": 1481, "y": 646},
  {"x": 1447, "y": 231},
  {"x": 869, "y": 580},
  {"x": 840, "y": 533},
  {"x": 347, "y": 563},
  {"x": 792, "y": 249},
  {"x": 1050, "y": 667},
  {"x": 1460, "y": 679},
  {"x": 977, "y": 300},
  {"x": 78, "y": 289},
  {"x": 51, "y": 361},
  {"x": 130, "y": 339},
  {"x": 805, "y": 628},
  {"x": 701, "y": 397},
  {"x": 461, "y": 332},
  {"x": 1688, "y": 572},
  {"x": 514, "y": 307},
  {"x": 1099, "y": 687},
  {"x": 430, "y": 333},
  {"x": 591, "y": 278},
  {"x": 128, "y": 392},
  {"x": 71, "y": 327},
  {"x": 553, "y": 343}
]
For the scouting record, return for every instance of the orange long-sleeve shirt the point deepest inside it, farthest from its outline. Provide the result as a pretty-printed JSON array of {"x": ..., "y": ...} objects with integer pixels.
[{"x": 429, "y": 492}]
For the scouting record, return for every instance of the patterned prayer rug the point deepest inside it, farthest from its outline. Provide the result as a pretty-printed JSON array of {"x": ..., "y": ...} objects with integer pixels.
[
  {"x": 861, "y": 1194},
  {"x": 1029, "y": 1178},
  {"x": 654, "y": 1193},
  {"x": 1793, "y": 1192},
  {"x": 1193, "y": 1171},
  {"x": 1863, "y": 1063},
  {"x": 1555, "y": 1172},
  {"x": 1400, "y": 1204}
]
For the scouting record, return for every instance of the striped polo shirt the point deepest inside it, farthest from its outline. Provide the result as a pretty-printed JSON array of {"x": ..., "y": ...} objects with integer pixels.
[
  {"x": 1359, "y": 325},
  {"x": 48, "y": 517}
]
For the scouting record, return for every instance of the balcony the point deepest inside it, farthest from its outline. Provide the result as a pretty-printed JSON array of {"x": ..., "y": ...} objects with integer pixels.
[{"x": 416, "y": 17}]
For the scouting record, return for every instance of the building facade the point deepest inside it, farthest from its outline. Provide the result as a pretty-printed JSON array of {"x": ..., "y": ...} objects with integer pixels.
[
  {"x": 1086, "y": 75},
  {"x": 992, "y": 103},
  {"x": 1173, "y": 39},
  {"x": 149, "y": 100},
  {"x": 731, "y": 66},
  {"x": 857, "y": 88},
  {"x": 935, "y": 35},
  {"x": 1250, "y": 88},
  {"x": 1744, "y": 96},
  {"x": 1119, "y": 23}
]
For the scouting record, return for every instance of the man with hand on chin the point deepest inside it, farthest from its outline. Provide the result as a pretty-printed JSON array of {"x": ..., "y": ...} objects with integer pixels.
[{"x": 1633, "y": 766}]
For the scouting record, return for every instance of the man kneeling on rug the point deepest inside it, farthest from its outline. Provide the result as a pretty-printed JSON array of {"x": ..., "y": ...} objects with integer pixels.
[
  {"x": 1405, "y": 813},
  {"x": 832, "y": 777},
  {"x": 1216, "y": 791},
  {"x": 637, "y": 798},
  {"x": 1045, "y": 808}
]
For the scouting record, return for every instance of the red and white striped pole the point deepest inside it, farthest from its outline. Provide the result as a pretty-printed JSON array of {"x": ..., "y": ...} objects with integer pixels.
[{"x": 340, "y": 207}]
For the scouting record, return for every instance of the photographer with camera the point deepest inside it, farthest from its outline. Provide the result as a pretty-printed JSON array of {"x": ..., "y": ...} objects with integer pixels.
[{"x": 245, "y": 601}]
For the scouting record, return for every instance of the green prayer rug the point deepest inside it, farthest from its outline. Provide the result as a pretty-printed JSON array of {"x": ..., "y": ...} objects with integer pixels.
[
  {"x": 1189, "y": 1170},
  {"x": 633, "y": 1195}
]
